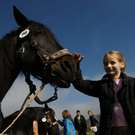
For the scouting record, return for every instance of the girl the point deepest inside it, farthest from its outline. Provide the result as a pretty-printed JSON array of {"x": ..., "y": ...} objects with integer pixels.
[
  {"x": 116, "y": 93},
  {"x": 68, "y": 123}
]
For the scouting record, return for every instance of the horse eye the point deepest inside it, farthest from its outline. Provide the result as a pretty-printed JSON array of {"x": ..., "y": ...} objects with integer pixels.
[{"x": 38, "y": 32}]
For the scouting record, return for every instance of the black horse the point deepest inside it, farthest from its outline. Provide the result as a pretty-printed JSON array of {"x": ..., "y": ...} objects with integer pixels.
[
  {"x": 34, "y": 50},
  {"x": 24, "y": 125}
]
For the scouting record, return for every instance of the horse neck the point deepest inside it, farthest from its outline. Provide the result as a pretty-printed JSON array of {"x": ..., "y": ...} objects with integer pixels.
[{"x": 9, "y": 69}]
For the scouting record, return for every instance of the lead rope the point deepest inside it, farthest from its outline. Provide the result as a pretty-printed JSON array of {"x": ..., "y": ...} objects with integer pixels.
[{"x": 22, "y": 110}]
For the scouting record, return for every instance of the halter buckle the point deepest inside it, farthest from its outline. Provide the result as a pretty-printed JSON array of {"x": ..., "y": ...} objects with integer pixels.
[
  {"x": 22, "y": 49},
  {"x": 34, "y": 43}
]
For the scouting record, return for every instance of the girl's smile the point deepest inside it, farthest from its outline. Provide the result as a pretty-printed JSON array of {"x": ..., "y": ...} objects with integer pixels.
[{"x": 113, "y": 66}]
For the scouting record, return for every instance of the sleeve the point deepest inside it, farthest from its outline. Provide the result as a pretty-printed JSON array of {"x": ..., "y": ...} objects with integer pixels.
[
  {"x": 87, "y": 87},
  {"x": 61, "y": 122},
  {"x": 96, "y": 119}
]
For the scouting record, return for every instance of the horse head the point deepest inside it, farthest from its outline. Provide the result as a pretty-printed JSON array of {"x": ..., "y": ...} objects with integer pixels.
[
  {"x": 47, "y": 123},
  {"x": 39, "y": 53},
  {"x": 24, "y": 125}
]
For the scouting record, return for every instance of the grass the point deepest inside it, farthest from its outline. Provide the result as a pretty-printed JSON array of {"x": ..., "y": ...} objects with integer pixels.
[{"x": 90, "y": 133}]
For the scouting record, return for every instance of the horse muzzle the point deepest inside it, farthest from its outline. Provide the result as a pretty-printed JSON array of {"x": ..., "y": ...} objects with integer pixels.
[{"x": 63, "y": 72}]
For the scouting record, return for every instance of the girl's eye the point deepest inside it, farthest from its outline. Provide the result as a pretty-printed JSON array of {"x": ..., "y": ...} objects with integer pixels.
[
  {"x": 112, "y": 62},
  {"x": 38, "y": 32}
]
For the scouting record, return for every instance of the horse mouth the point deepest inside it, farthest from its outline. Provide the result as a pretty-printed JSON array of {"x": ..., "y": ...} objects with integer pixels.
[{"x": 61, "y": 82}]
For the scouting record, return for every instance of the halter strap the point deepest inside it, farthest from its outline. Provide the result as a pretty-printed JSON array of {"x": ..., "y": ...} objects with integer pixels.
[
  {"x": 60, "y": 53},
  {"x": 45, "y": 56}
]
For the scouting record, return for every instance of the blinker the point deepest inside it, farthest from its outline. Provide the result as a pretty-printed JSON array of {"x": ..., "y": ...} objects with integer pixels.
[
  {"x": 43, "y": 119},
  {"x": 24, "y": 33}
]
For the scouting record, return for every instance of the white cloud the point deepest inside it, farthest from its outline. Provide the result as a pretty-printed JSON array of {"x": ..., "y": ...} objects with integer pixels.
[{"x": 96, "y": 77}]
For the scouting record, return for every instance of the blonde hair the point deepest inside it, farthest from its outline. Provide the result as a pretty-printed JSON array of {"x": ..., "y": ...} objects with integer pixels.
[
  {"x": 90, "y": 112},
  {"x": 66, "y": 114},
  {"x": 119, "y": 57}
]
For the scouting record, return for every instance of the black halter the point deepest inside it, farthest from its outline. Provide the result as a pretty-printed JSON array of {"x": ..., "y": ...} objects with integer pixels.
[
  {"x": 45, "y": 56},
  {"x": 47, "y": 59},
  {"x": 47, "y": 119}
]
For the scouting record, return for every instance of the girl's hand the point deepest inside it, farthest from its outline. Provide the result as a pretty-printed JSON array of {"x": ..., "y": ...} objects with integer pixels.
[
  {"x": 77, "y": 57},
  {"x": 55, "y": 118}
]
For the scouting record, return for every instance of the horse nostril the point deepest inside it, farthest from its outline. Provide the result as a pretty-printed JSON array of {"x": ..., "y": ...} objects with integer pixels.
[
  {"x": 66, "y": 66},
  {"x": 54, "y": 72}
]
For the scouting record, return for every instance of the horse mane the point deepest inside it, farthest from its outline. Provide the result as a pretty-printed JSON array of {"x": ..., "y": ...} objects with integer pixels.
[
  {"x": 33, "y": 109},
  {"x": 8, "y": 39}
]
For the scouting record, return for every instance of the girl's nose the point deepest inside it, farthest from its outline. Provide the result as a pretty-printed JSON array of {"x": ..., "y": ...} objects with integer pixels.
[{"x": 109, "y": 65}]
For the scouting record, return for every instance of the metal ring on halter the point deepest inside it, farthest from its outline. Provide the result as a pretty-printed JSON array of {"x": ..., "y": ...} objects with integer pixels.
[{"x": 53, "y": 71}]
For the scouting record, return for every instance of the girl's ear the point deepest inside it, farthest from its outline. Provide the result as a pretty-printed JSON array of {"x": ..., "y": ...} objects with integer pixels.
[{"x": 122, "y": 65}]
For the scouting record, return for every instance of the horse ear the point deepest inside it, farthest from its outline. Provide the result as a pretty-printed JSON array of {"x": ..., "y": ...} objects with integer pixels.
[{"x": 20, "y": 18}]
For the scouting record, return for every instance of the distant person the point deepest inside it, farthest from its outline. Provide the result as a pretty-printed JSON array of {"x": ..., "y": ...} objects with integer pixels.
[
  {"x": 80, "y": 123},
  {"x": 94, "y": 122},
  {"x": 67, "y": 122},
  {"x": 116, "y": 93}
]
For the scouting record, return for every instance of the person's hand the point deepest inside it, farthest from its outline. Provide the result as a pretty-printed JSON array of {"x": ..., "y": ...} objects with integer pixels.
[
  {"x": 77, "y": 57},
  {"x": 76, "y": 132},
  {"x": 55, "y": 118}
]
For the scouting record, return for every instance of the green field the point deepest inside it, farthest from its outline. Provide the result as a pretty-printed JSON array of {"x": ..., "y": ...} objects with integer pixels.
[{"x": 90, "y": 133}]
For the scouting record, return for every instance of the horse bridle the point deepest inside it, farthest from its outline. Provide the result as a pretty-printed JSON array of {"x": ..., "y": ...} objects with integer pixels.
[
  {"x": 47, "y": 119},
  {"x": 45, "y": 56}
]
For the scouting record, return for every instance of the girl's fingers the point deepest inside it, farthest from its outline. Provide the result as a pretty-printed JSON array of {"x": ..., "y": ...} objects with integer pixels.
[{"x": 77, "y": 57}]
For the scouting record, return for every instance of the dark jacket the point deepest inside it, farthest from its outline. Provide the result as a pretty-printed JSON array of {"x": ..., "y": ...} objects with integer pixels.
[
  {"x": 92, "y": 121},
  {"x": 82, "y": 125},
  {"x": 104, "y": 90}
]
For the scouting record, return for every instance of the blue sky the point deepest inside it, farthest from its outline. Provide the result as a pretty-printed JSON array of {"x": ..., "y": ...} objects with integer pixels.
[{"x": 89, "y": 27}]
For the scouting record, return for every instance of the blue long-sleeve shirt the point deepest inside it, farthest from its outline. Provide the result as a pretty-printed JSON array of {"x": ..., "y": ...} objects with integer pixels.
[{"x": 68, "y": 126}]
